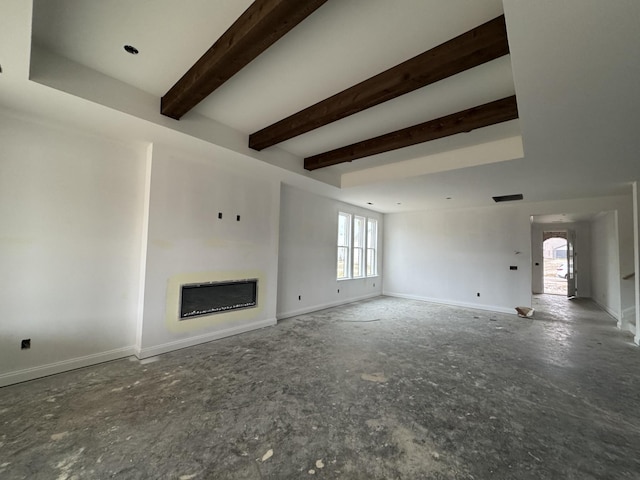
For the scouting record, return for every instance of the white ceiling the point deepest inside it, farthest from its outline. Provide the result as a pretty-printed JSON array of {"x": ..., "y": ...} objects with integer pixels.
[{"x": 575, "y": 81}]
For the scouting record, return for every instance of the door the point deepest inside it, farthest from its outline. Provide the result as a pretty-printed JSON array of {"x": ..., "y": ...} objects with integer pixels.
[{"x": 571, "y": 259}]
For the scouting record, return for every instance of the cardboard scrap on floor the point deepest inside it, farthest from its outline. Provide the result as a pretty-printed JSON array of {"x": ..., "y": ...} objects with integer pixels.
[{"x": 525, "y": 312}]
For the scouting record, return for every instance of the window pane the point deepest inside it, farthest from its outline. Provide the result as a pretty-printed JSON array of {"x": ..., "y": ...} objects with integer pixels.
[
  {"x": 372, "y": 233},
  {"x": 343, "y": 262},
  {"x": 344, "y": 245},
  {"x": 357, "y": 262},
  {"x": 358, "y": 231},
  {"x": 344, "y": 233},
  {"x": 371, "y": 262},
  {"x": 372, "y": 246}
]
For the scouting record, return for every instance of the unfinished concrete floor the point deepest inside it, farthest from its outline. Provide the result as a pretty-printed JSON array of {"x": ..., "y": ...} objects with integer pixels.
[{"x": 382, "y": 389}]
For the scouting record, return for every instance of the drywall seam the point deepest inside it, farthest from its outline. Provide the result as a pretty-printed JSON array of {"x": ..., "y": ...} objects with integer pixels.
[
  {"x": 323, "y": 306},
  {"x": 207, "y": 337},
  {"x": 453, "y": 303},
  {"x": 64, "y": 366}
]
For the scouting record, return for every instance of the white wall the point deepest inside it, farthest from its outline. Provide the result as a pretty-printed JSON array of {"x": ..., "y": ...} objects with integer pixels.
[
  {"x": 606, "y": 268},
  {"x": 636, "y": 263},
  {"x": 188, "y": 243},
  {"x": 449, "y": 256},
  {"x": 582, "y": 249},
  {"x": 627, "y": 266},
  {"x": 70, "y": 209},
  {"x": 308, "y": 254}
]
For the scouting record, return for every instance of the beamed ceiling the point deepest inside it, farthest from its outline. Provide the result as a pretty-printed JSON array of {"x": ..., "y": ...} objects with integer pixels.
[
  {"x": 407, "y": 105},
  {"x": 265, "y": 21}
]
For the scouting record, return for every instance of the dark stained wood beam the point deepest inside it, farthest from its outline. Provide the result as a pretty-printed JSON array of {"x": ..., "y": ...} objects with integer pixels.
[
  {"x": 475, "y": 47},
  {"x": 465, "y": 121},
  {"x": 259, "y": 27}
]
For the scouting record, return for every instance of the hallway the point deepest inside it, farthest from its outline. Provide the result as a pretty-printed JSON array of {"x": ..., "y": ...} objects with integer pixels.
[{"x": 385, "y": 388}]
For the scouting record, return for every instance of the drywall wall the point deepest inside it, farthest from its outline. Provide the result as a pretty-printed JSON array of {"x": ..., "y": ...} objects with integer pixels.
[
  {"x": 606, "y": 268},
  {"x": 188, "y": 243},
  {"x": 308, "y": 254},
  {"x": 582, "y": 251},
  {"x": 70, "y": 208},
  {"x": 634, "y": 319},
  {"x": 450, "y": 256},
  {"x": 626, "y": 247}
]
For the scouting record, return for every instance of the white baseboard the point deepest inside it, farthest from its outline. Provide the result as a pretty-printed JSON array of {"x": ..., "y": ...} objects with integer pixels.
[
  {"x": 628, "y": 321},
  {"x": 613, "y": 313},
  {"x": 198, "y": 339},
  {"x": 64, "y": 366},
  {"x": 454, "y": 303},
  {"x": 322, "y": 306}
]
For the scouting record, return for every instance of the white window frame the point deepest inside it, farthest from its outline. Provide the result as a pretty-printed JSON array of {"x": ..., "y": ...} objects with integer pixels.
[{"x": 366, "y": 249}]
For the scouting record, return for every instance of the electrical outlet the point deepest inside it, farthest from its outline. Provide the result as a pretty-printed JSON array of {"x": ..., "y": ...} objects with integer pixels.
[{"x": 25, "y": 344}]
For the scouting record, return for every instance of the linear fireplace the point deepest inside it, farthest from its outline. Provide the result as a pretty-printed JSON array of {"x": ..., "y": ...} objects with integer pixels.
[{"x": 198, "y": 299}]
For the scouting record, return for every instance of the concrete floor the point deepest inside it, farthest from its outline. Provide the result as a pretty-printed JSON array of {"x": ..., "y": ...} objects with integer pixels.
[{"x": 382, "y": 389}]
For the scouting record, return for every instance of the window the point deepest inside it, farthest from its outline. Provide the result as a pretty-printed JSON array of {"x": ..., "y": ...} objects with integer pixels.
[
  {"x": 372, "y": 247},
  {"x": 357, "y": 246},
  {"x": 344, "y": 241}
]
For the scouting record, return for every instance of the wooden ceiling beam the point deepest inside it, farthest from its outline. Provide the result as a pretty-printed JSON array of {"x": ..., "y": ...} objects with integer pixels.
[
  {"x": 259, "y": 27},
  {"x": 475, "y": 47},
  {"x": 477, "y": 117}
]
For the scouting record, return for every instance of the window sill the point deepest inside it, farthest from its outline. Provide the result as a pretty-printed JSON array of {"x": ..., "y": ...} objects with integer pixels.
[{"x": 356, "y": 278}]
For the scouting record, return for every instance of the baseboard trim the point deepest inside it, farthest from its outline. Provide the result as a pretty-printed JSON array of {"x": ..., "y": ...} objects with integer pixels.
[
  {"x": 323, "y": 306},
  {"x": 453, "y": 303},
  {"x": 616, "y": 316},
  {"x": 628, "y": 320},
  {"x": 142, "y": 353},
  {"x": 637, "y": 340},
  {"x": 64, "y": 366}
]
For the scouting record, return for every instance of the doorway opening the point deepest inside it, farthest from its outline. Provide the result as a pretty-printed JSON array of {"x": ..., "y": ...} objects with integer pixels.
[{"x": 555, "y": 263}]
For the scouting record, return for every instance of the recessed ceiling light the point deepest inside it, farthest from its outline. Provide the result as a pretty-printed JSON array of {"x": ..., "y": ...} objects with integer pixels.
[
  {"x": 369, "y": 203},
  {"x": 131, "y": 49}
]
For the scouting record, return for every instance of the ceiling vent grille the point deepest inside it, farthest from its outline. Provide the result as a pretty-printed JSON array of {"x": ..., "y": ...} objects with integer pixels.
[{"x": 508, "y": 198}]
